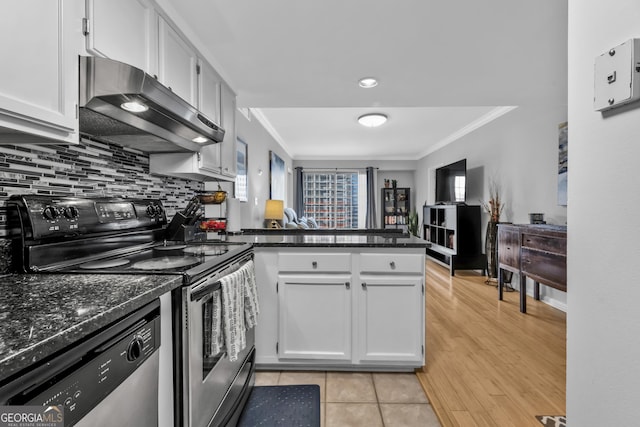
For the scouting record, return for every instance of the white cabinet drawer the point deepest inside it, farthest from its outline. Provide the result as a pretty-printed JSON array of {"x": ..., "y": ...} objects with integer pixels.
[
  {"x": 391, "y": 263},
  {"x": 315, "y": 262}
]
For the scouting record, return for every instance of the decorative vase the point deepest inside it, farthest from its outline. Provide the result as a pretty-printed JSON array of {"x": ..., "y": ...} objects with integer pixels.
[{"x": 491, "y": 249}]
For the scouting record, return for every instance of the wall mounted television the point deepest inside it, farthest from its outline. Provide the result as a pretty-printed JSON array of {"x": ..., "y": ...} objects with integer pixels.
[{"x": 451, "y": 183}]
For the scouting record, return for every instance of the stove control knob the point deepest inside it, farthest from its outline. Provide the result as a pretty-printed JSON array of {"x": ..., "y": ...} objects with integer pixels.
[
  {"x": 71, "y": 212},
  {"x": 50, "y": 213},
  {"x": 134, "y": 350},
  {"x": 154, "y": 210}
]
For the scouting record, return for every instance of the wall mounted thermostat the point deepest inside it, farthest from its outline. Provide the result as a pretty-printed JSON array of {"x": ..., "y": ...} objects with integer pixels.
[{"x": 617, "y": 76}]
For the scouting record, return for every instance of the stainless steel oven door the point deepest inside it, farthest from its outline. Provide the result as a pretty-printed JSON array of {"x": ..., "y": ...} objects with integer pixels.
[{"x": 209, "y": 376}]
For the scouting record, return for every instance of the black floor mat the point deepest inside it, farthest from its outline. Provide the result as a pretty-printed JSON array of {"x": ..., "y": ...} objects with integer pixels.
[{"x": 286, "y": 405}]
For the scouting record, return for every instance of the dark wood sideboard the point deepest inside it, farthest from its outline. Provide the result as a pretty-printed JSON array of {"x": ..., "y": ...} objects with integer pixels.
[{"x": 538, "y": 251}]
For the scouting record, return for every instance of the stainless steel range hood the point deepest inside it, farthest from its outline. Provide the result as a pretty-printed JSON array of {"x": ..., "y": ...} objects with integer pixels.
[{"x": 166, "y": 124}]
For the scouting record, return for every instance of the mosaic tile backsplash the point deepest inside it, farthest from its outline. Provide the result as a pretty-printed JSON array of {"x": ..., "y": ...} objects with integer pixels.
[{"x": 87, "y": 169}]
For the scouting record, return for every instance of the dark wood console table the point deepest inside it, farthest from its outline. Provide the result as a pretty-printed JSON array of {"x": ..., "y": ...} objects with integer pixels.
[{"x": 536, "y": 251}]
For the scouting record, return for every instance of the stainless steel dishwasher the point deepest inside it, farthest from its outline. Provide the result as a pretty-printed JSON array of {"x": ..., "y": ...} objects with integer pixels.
[{"x": 109, "y": 379}]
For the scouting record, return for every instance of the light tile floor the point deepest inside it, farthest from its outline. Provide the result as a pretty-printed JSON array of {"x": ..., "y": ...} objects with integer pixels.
[{"x": 362, "y": 399}]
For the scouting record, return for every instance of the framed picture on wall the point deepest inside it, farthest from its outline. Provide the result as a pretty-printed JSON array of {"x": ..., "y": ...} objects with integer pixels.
[
  {"x": 277, "y": 177},
  {"x": 242, "y": 183},
  {"x": 563, "y": 163}
]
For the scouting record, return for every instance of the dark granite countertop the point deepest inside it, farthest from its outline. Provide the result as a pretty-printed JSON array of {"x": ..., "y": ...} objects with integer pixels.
[
  {"x": 341, "y": 231},
  {"x": 340, "y": 240},
  {"x": 41, "y": 314}
]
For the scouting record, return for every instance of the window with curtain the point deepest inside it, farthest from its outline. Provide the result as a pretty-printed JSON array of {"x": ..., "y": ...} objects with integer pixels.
[{"x": 336, "y": 198}]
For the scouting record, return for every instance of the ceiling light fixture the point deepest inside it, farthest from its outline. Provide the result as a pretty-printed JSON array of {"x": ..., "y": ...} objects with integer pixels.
[
  {"x": 368, "y": 82},
  {"x": 134, "y": 106},
  {"x": 372, "y": 120}
]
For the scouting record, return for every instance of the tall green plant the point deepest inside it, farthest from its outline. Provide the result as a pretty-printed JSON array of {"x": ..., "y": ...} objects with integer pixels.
[{"x": 413, "y": 223}]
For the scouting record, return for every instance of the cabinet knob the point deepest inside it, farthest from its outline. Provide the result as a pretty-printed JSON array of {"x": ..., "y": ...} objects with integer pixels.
[
  {"x": 364, "y": 285},
  {"x": 348, "y": 285},
  {"x": 314, "y": 264},
  {"x": 392, "y": 264}
]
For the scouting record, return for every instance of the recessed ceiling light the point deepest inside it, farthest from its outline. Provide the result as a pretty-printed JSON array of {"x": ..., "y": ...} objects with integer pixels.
[
  {"x": 372, "y": 120},
  {"x": 134, "y": 106},
  {"x": 200, "y": 139},
  {"x": 368, "y": 82}
]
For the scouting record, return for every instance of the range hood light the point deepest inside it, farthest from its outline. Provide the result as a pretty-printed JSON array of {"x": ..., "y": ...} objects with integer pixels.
[
  {"x": 200, "y": 139},
  {"x": 134, "y": 106}
]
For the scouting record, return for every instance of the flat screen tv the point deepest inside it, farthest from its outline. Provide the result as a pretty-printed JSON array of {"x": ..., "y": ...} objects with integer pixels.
[{"x": 451, "y": 183}]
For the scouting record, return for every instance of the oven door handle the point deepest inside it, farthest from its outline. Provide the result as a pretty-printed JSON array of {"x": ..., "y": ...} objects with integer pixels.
[
  {"x": 212, "y": 285},
  {"x": 205, "y": 289}
]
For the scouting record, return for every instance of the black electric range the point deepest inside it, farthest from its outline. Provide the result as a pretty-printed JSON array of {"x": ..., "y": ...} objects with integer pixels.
[
  {"x": 119, "y": 235},
  {"x": 106, "y": 235}
]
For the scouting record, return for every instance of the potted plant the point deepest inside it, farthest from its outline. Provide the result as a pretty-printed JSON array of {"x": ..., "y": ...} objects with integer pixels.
[
  {"x": 494, "y": 208},
  {"x": 413, "y": 223}
]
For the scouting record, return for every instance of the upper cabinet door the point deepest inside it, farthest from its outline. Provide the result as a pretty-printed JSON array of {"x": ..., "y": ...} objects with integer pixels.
[
  {"x": 177, "y": 63},
  {"x": 209, "y": 103},
  {"x": 39, "y": 72},
  {"x": 228, "y": 145},
  {"x": 209, "y": 91},
  {"x": 122, "y": 30}
]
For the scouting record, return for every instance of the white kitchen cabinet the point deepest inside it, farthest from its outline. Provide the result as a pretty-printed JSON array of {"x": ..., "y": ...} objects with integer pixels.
[
  {"x": 392, "y": 263},
  {"x": 123, "y": 30},
  {"x": 209, "y": 87},
  {"x": 266, "y": 267},
  {"x": 390, "y": 319},
  {"x": 39, "y": 73},
  {"x": 209, "y": 97},
  {"x": 221, "y": 158},
  {"x": 314, "y": 317},
  {"x": 314, "y": 262},
  {"x": 228, "y": 163},
  {"x": 177, "y": 63},
  {"x": 306, "y": 307},
  {"x": 391, "y": 307},
  {"x": 217, "y": 101}
]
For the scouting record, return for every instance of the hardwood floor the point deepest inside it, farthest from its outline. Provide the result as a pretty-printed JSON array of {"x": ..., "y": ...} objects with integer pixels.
[{"x": 488, "y": 364}]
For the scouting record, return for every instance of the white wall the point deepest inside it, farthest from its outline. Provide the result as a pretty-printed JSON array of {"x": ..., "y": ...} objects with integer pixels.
[
  {"x": 259, "y": 143},
  {"x": 603, "y": 321},
  {"x": 520, "y": 152}
]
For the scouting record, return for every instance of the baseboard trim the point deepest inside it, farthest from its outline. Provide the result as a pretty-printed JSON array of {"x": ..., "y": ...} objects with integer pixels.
[{"x": 554, "y": 303}]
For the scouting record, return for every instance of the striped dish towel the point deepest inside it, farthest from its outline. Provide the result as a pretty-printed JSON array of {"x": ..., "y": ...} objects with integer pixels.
[
  {"x": 233, "y": 322},
  {"x": 213, "y": 335},
  {"x": 251, "y": 306}
]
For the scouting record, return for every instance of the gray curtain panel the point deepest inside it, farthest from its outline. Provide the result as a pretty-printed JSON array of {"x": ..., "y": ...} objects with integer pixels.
[
  {"x": 299, "y": 197},
  {"x": 371, "y": 198}
]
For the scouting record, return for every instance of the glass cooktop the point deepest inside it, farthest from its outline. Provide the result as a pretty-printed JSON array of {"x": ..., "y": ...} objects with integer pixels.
[{"x": 164, "y": 258}]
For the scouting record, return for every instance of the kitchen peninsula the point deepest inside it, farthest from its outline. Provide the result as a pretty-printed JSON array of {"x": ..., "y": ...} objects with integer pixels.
[
  {"x": 328, "y": 299},
  {"x": 339, "y": 299}
]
